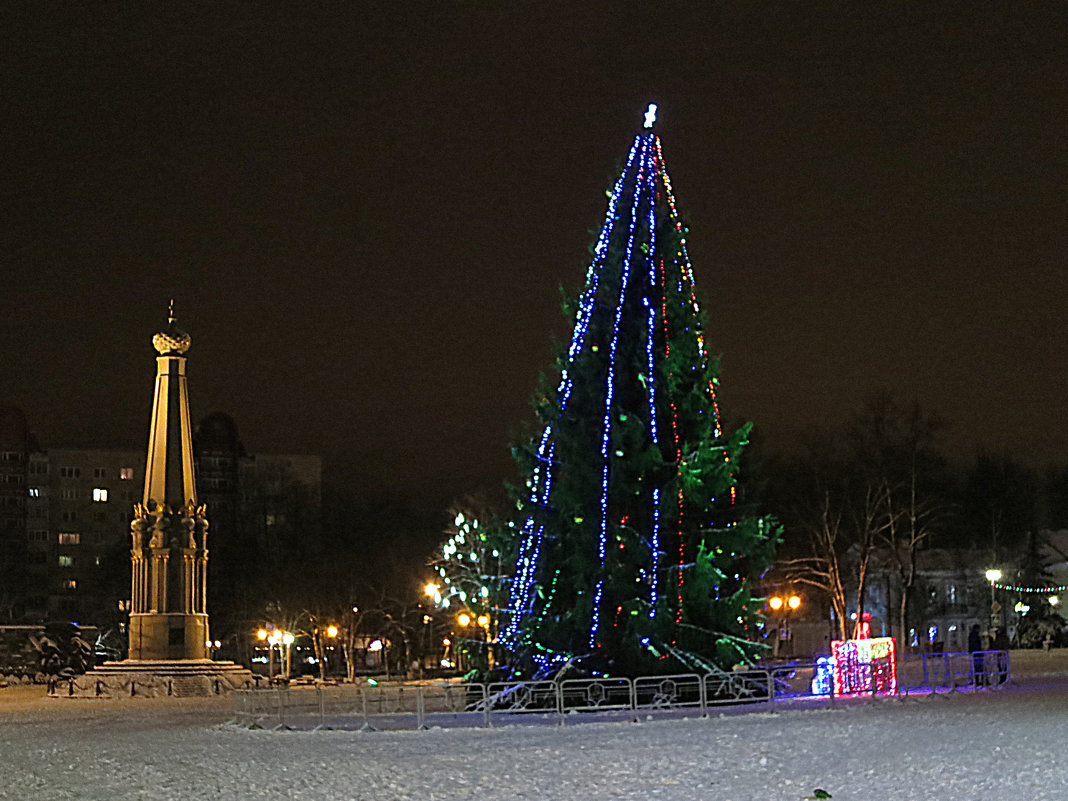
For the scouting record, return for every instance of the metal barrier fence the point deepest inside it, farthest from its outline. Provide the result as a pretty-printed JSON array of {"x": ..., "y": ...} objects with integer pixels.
[
  {"x": 952, "y": 671},
  {"x": 394, "y": 706}
]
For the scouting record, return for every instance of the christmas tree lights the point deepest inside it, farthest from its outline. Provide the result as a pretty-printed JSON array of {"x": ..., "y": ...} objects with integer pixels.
[
  {"x": 1030, "y": 590},
  {"x": 612, "y": 515}
]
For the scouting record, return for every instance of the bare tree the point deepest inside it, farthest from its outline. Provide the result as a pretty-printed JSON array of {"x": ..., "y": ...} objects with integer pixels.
[
  {"x": 895, "y": 444},
  {"x": 842, "y": 533},
  {"x": 823, "y": 569}
]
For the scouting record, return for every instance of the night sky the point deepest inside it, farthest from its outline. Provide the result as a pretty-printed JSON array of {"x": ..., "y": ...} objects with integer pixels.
[{"x": 365, "y": 217}]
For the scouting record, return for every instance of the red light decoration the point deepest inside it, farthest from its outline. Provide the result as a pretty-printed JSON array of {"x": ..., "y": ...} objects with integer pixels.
[{"x": 864, "y": 666}]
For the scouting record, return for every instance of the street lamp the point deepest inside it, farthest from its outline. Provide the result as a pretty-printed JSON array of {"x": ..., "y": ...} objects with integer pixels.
[
  {"x": 273, "y": 638},
  {"x": 464, "y": 619},
  {"x": 993, "y": 575},
  {"x": 785, "y": 605},
  {"x": 287, "y": 640}
]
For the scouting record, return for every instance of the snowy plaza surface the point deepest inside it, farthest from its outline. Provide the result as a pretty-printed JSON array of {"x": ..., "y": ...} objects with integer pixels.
[{"x": 1006, "y": 745}]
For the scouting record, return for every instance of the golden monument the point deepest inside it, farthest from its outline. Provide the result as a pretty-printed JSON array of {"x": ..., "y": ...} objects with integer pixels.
[{"x": 170, "y": 649}]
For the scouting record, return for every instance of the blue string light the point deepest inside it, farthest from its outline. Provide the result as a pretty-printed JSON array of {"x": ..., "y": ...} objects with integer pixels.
[
  {"x": 606, "y": 431},
  {"x": 520, "y": 593}
]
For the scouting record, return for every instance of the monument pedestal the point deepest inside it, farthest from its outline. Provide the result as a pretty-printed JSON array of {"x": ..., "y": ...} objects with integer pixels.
[{"x": 151, "y": 678}]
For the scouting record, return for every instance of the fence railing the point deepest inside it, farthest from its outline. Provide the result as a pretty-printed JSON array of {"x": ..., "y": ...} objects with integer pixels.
[{"x": 444, "y": 704}]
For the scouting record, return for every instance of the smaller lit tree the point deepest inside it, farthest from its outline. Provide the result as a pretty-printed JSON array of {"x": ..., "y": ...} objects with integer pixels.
[{"x": 470, "y": 583}]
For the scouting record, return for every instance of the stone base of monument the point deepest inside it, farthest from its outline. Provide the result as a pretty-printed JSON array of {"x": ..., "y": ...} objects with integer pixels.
[{"x": 154, "y": 679}]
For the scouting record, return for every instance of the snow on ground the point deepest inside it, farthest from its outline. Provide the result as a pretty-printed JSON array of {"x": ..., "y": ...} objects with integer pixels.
[{"x": 1004, "y": 745}]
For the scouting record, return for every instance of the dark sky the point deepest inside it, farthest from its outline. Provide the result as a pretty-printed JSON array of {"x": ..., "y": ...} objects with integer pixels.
[{"x": 365, "y": 216}]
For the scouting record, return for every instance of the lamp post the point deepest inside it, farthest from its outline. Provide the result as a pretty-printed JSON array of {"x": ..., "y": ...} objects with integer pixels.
[
  {"x": 273, "y": 638},
  {"x": 325, "y": 662},
  {"x": 484, "y": 624},
  {"x": 287, "y": 640},
  {"x": 993, "y": 575},
  {"x": 262, "y": 636},
  {"x": 784, "y": 605}
]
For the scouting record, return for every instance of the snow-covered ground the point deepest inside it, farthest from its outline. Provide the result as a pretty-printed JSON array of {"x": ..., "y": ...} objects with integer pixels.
[{"x": 1007, "y": 745}]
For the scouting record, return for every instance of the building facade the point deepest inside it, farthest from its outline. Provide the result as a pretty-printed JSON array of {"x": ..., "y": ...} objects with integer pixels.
[{"x": 65, "y": 517}]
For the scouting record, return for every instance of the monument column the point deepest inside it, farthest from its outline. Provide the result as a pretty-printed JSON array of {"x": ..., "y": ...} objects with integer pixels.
[
  {"x": 169, "y": 550},
  {"x": 169, "y": 651}
]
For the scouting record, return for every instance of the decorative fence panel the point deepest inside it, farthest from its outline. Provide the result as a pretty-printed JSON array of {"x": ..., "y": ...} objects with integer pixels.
[
  {"x": 655, "y": 694},
  {"x": 448, "y": 704}
]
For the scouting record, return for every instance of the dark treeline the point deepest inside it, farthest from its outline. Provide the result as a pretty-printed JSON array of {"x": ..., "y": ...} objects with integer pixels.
[
  {"x": 878, "y": 491},
  {"x": 360, "y": 567}
]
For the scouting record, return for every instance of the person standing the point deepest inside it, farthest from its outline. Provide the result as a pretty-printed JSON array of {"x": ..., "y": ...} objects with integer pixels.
[
  {"x": 1001, "y": 645},
  {"x": 975, "y": 648}
]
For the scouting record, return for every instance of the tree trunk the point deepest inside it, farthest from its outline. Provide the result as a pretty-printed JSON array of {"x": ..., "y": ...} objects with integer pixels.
[
  {"x": 320, "y": 652},
  {"x": 903, "y": 616}
]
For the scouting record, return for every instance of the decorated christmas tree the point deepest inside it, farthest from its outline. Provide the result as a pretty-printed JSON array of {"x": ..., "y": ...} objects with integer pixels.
[{"x": 635, "y": 553}]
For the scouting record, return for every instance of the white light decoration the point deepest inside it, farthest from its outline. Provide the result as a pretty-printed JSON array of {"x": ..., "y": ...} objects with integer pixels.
[{"x": 650, "y": 115}]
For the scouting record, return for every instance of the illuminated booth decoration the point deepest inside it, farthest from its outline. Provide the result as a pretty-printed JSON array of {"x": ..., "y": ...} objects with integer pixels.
[{"x": 864, "y": 666}]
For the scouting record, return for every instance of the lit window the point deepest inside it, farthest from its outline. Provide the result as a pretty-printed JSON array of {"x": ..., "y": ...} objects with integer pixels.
[
  {"x": 66, "y": 561},
  {"x": 126, "y": 473},
  {"x": 100, "y": 494},
  {"x": 70, "y": 584},
  {"x": 69, "y": 538},
  {"x": 35, "y": 492}
]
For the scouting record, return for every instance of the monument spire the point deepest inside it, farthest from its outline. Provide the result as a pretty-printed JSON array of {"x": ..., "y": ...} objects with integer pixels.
[
  {"x": 169, "y": 476},
  {"x": 168, "y": 614},
  {"x": 170, "y": 645}
]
